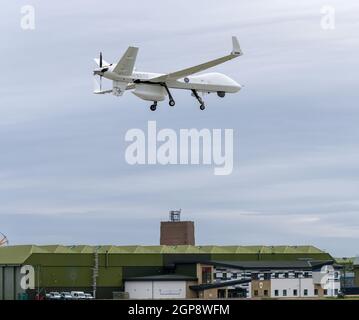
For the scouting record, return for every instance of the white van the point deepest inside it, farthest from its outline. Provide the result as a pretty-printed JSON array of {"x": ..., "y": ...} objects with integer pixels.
[
  {"x": 78, "y": 295},
  {"x": 53, "y": 296}
]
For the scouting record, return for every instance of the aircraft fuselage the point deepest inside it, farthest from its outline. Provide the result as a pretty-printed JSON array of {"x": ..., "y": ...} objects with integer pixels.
[{"x": 207, "y": 82}]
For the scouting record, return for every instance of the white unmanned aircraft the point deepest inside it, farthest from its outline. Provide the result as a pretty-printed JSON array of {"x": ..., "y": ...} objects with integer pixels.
[{"x": 154, "y": 86}]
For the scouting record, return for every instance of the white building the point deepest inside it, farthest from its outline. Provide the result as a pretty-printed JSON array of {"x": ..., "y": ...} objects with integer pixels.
[
  {"x": 279, "y": 279},
  {"x": 241, "y": 279},
  {"x": 170, "y": 286}
]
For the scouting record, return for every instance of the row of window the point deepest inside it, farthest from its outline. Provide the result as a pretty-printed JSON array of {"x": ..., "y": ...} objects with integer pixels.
[
  {"x": 284, "y": 293},
  {"x": 295, "y": 292},
  {"x": 262, "y": 276},
  {"x": 277, "y": 275}
]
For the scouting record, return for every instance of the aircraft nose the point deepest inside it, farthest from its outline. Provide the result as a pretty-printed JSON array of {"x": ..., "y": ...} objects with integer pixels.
[{"x": 238, "y": 86}]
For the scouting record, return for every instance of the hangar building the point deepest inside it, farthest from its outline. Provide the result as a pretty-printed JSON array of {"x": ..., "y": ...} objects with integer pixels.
[{"x": 177, "y": 271}]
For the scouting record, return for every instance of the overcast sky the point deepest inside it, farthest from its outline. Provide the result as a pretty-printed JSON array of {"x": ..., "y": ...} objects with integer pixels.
[{"x": 63, "y": 176}]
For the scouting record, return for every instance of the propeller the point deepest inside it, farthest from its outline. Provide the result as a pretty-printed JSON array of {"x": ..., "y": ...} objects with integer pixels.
[
  {"x": 99, "y": 71},
  {"x": 100, "y": 67}
]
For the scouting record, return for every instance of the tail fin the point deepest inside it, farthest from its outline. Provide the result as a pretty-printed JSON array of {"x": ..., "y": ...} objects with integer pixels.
[{"x": 127, "y": 63}]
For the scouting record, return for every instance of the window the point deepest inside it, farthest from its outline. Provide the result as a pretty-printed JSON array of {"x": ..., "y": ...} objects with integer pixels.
[
  {"x": 336, "y": 291},
  {"x": 284, "y": 293},
  {"x": 315, "y": 292},
  {"x": 234, "y": 276},
  {"x": 276, "y": 293},
  {"x": 206, "y": 275},
  {"x": 305, "y": 292},
  {"x": 256, "y": 293},
  {"x": 221, "y": 293},
  {"x": 286, "y": 275},
  {"x": 295, "y": 292},
  {"x": 276, "y": 275},
  {"x": 325, "y": 292},
  {"x": 266, "y": 292},
  {"x": 224, "y": 275}
]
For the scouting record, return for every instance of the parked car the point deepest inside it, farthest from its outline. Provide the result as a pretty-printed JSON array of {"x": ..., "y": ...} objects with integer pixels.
[
  {"x": 78, "y": 295},
  {"x": 66, "y": 296},
  {"x": 88, "y": 296},
  {"x": 53, "y": 296}
]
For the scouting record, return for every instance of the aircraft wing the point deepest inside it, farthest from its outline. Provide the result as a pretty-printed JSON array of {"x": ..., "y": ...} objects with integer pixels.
[
  {"x": 127, "y": 63},
  {"x": 236, "y": 52}
]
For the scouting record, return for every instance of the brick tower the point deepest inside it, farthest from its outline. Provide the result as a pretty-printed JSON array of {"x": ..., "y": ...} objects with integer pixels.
[{"x": 176, "y": 232}]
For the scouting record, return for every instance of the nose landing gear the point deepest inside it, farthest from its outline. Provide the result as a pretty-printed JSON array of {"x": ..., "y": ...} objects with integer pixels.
[
  {"x": 153, "y": 107},
  {"x": 202, "y": 105}
]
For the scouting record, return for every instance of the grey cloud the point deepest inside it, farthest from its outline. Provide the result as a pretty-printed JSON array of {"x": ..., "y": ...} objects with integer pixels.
[{"x": 62, "y": 172}]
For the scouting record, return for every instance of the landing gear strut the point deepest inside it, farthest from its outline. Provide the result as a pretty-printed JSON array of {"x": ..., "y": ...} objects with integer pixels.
[
  {"x": 154, "y": 106},
  {"x": 171, "y": 102},
  {"x": 195, "y": 93}
]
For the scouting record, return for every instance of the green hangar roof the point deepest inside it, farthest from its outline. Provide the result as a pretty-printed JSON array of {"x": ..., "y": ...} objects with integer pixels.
[{"x": 19, "y": 254}]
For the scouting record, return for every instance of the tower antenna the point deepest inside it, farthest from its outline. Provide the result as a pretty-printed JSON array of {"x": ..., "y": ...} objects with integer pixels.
[{"x": 3, "y": 240}]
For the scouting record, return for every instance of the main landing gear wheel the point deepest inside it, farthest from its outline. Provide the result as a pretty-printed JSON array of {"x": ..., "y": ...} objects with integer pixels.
[
  {"x": 202, "y": 107},
  {"x": 171, "y": 102},
  {"x": 153, "y": 107}
]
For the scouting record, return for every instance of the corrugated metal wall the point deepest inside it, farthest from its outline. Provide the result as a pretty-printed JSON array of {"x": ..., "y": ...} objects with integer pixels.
[{"x": 10, "y": 278}]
